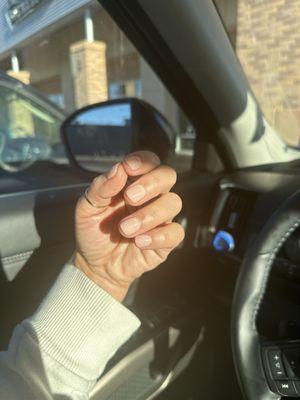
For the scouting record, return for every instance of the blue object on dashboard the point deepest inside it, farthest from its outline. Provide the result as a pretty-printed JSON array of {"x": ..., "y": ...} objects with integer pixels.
[{"x": 223, "y": 241}]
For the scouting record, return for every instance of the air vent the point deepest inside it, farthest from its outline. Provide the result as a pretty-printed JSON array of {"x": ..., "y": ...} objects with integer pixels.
[{"x": 235, "y": 216}]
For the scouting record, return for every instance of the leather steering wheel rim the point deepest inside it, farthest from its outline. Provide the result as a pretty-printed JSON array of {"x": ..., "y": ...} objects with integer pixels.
[{"x": 249, "y": 292}]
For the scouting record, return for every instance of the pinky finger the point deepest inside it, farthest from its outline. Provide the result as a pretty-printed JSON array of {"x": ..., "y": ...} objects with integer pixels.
[{"x": 164, "y": 237}]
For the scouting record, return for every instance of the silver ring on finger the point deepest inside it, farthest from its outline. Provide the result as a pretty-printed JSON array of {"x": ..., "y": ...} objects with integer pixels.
[{"x": 88, "y": 200}]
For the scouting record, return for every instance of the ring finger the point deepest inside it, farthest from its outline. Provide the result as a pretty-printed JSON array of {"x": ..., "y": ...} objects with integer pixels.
[{"x": 163, "y": 237}]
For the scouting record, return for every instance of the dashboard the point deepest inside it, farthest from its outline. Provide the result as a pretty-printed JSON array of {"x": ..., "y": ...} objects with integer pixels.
[{"x": 244, "y": 201}]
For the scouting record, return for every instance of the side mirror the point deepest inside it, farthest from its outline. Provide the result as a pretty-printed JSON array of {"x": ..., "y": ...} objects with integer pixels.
[{"x": 99, "y": 135}]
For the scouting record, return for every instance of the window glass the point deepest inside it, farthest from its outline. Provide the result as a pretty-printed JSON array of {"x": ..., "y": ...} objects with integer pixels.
[
  {"x": 28, "y": 131},
  {"x": 266, "y": 37},
  {"x": 77, "y": 56}
]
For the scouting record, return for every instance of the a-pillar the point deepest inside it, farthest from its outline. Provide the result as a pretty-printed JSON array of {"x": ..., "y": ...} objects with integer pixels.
[{"x": 155, "y": 93}]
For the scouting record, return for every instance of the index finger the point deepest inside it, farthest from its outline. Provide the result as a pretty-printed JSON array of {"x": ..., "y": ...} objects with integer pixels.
[
  {"x": 140, "y": 163},
  {"x": 102, "y": 189}
]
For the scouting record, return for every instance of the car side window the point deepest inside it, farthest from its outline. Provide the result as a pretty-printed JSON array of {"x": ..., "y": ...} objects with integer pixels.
[{"x": 76, "y": 57}]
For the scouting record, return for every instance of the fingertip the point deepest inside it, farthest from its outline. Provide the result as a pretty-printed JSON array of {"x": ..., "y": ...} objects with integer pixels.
[
  {"x": 98, "y": 181},
  {"x": 133, "y": 162},
  {"x": 113, "y": 171},
  {"x": 181, "y": 234},
  {"x": 117, "y": 171},
  {"x": 140, "y": 162},
  {"x": 155, "y": 159},
  {"x": 110, "y": 184}
]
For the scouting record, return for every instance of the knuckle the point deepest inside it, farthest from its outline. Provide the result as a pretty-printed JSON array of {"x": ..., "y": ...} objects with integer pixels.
[
  {"x": 154, "y": 215},
  {"x": 150, "y": 217},
  {"x": 96, "y": 180},
  {"x": 181, "y": 233},
  {"x": 174, "y": 234},
  {"x": 172, "y": 175},
  {"x": 154, "y": 157},
  {"x": 148, "y": 156},
  {"x": 168, "y": 174},
  {"x": 164, "y": 177},
  {"x": 176, "y": 201},
  {"x": 167, "y": 235},
  {"x": 155, "y": 182}
]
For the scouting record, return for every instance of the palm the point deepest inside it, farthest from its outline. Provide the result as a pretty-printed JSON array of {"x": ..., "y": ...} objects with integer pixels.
[{"x": 101, "y": 243}]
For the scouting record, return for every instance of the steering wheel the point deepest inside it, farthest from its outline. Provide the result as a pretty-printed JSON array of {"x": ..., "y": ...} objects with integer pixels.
[
  {"x": 262, "y": 371},
  {"x": 5, "y": 166},
  {"x": 17, "y": 154}
]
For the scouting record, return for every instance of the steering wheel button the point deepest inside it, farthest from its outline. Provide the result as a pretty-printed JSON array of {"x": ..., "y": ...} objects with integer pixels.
[
  {"x": 276, "y": 364},
  {"x": 297, "y": 385},
  {"x": 286, "y": 388},
  {"x": 291, "y": 362}
]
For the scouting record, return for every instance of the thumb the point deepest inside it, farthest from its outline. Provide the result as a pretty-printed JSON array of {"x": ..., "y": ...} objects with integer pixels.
[{"x": 101, "y": 191}]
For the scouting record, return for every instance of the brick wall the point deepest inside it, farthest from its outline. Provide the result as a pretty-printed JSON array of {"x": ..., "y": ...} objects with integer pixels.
[{"x": 268, "y": 45}]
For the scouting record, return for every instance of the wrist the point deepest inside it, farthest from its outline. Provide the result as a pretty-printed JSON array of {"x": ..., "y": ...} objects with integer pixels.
[{"x": 98, "y": 276}]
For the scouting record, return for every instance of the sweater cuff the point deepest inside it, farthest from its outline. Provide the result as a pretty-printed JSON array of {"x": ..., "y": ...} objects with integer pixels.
[{"x": 80, "y": 325}]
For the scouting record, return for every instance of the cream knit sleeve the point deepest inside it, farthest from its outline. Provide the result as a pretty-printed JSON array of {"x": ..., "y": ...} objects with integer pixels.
[{"x": 62, "y": 349}]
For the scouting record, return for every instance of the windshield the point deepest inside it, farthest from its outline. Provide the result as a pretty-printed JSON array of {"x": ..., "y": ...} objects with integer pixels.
[{"x": 266, "y": 38}]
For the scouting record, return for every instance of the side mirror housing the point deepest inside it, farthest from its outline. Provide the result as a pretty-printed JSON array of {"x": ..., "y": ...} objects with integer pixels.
[{"x": 101, "y": 134}]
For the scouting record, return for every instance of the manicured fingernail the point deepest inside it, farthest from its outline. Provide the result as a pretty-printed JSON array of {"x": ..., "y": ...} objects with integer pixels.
[
  {"x": 136, "y": 193},
  {"x": 130, "y": 226},
  {"x": 143, "y": 241},
  {"x": 134, "y": 162},
  {"x": 113, "y": 171}
]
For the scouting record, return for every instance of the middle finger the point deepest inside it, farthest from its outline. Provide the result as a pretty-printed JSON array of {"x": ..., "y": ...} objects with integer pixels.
[
  {"x": 150, "y": 185},
  {"x": 161, "y": 210}
]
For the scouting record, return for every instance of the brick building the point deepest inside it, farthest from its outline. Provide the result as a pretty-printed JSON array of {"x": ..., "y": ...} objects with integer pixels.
[{"x": 266, "y": 36}]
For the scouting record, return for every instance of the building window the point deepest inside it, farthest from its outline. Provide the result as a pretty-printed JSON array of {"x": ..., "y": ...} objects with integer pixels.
[
  {"x": 58, "y": 99},
  {"x": 131, "y": 88}
]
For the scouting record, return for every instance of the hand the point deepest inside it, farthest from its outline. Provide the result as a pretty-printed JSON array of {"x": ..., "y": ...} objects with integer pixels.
[{"x": 124, "y": 228}]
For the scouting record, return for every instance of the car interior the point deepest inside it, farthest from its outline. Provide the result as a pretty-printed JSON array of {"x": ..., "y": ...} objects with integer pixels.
[{"x": 221, "y": 317}]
